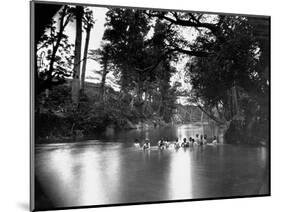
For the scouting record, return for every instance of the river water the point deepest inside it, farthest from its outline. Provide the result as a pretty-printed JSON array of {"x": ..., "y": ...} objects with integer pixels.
[{"x": 111, "y": 170}]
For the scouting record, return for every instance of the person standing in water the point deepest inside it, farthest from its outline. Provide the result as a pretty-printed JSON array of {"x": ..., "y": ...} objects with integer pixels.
[
  {"x": 146, "y": 144},
  {"x": 201, "y": 140},
  {"x": 190, "y": 141},
  {"x": 137, "y": 143},
  {"x": 177, "y": 145},
  {"x": 161, "y": 143},
  {"x": 197, "y": 140},
  {"x": 215, "y": 140},
  {"x": 184, "y": 144},
  {"x": 205, "y": 139}
]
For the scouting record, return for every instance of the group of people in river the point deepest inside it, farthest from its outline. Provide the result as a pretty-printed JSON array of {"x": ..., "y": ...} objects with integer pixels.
[{"x": 165, "y": 143}]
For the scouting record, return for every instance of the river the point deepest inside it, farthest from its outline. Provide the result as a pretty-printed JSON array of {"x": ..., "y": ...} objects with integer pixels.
[{"x": 111, "y": 170}]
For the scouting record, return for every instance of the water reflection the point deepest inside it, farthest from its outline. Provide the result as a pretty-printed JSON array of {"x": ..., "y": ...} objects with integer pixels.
[
  {"x": 105, "y": 172},
  {"x": 180, "y": 184}
]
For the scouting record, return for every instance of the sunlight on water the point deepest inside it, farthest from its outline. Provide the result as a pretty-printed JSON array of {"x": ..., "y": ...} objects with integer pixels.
[
  {"x": 91, "y": 179},
  {"x": 180, "y": 176},
  {"x": 106, "y": 172}
]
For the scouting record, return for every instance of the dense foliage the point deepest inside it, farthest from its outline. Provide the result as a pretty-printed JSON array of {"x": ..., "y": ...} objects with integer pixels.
[
  {"x": 231, "y": 80},
  {"x": 227, "y": 68}
]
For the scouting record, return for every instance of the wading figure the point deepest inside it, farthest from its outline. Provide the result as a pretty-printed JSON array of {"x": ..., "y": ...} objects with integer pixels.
[
  {"x": 161, "y": 144},
  {"x": 177, "y": 144},
  {"x": 197, "y": 140},
  {"x": 146, "y": 144},
  {"x": 205, "y": 139},
  {"x": 215, "y": 140},
  {"x": 185, "y": 143},
  {"x": 137, "y": 143},
  {"x": 166, "y": 143},
  {"x": 201, "y": 140},
  {"x": 192, "y": 141}
]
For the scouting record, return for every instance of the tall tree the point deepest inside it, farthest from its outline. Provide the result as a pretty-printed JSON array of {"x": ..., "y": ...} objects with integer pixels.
[
  {"x": 52, "y": 43},
  {"x": 88, "y": 22},
  {"x": 137, "y": 53},
  {"x": 77, "y": 56},
  {"x": 104, "y": 56},
  {"x": 126, "y": 30},
  {"x": 105, "y": 62}
]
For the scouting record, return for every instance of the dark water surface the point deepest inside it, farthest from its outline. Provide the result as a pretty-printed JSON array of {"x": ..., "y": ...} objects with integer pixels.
[{"x": 112, "y": 170}]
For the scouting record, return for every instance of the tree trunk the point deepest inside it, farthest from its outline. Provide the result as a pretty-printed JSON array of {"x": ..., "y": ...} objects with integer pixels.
[
  {"x": 202, "y": 114},
  {"x": 88, "y": 32},
  {"x": 56, "y": 46},
  {"x": 145, "y": 102},
  {"x": 103, "y": 79},
  {"x": 235, "y": 100},
  {"x": 160, "y": 106},
  {"x": 77, "y": 56},
  {"x": 139, "y": 91},
  {"x": 132, "y": 103}
]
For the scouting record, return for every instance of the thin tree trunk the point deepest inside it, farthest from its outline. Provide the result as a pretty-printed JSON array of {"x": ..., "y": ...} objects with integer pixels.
[
  {"x": 88, "y": 32},
  {"x": 103, "y": 79},
  {"x": 132, "y": 103},
  {"x": 190, "y": 115},
  {"x": 77, "y": 56},
  {"x": 202, "y": 114},
  {"x": 235, "y": 100},
  {"x": 160, "y": 106},
  {"x": 145, "y": 102},
  {"x": 56, "y": 46},
  {"x": 229, "y": 105},
  {"x": 139, "y": 91}
]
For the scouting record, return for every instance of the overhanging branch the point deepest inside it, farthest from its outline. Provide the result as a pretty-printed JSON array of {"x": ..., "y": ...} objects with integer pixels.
[
  {"x": 209, "y": 115},
  {"x": 191, "y": 53},
  {"x": 182, "y": 22}
]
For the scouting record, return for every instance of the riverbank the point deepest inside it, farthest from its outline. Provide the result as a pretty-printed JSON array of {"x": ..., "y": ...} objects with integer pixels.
[
  {"x": 146, "y": 130},
  {"x": 53, "y": 128}
]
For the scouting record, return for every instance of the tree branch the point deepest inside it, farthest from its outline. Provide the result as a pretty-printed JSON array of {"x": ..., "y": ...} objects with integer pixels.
[
  {"x": 190, "y": 53},
  {"x": 187, "y": 23},
  {"x": 209, "y": 115},
  {"x": 193, "y": 18}
]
